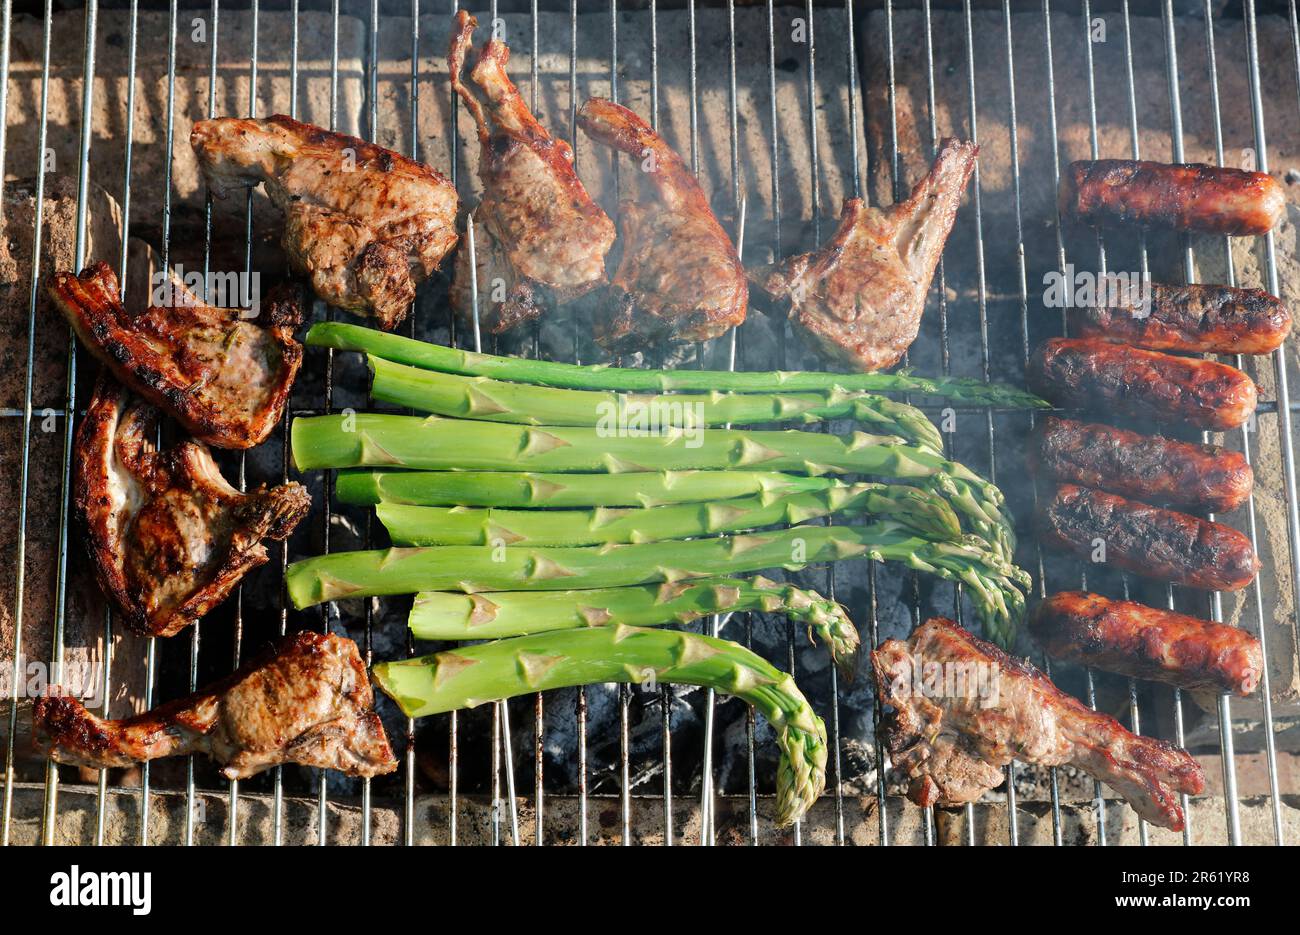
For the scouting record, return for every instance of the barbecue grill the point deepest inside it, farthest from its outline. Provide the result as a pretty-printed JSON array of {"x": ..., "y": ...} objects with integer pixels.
[{"x": 778, "y": 153}]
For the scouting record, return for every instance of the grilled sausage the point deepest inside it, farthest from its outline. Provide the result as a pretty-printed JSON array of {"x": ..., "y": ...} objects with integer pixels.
[
  {"x": 1199, "y": 319},
  {"x": 1147, "y": 643},
  {"x": 1201, "y": 478},
  {"x": 1087, "y": 373},
  {"x": 1192, "y": 197},
  {"x": 1147, "y": 540}
]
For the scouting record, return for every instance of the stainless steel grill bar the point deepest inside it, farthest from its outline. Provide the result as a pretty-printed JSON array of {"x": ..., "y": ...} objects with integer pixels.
[
  {"x": 539, "y": 704},
  {"x": 895, "y": 172},
  {"x": 782, "y": 352},
  {"x": 622, "y": 691},
  {"x": 408, "y": 755},
  {"x": 196, "y": 630},
  {"x": 151, "y": 645},
  {"x": 833, "y": 733},
  {"x": 666, "y": 697},
  {"x": 453, "y": 753},
  {"x": 503, "y": 746},
  {"x": 1227, "y": 756},
  {"x": 1135, "y": 714},
  {"x": 1013, "y": 127},
  {"x": 328, "y": 609},
  {"x": 1286, "y": 434},
  {"x": 941, "y": 288},
  {"x": 581, "y": 702},
  {"x": 372, "y": 134},
  {"x": 715, "y": 622},
  {"x": 1061, "y": 265},
  {"x": 232, "y": 817},
  {"x": 101, "y": 809},
  {"x": 1013, "y": 828},
  {"x": 24, "y": 457},
  {"x": 1094, "y": 138},
  {"x": 1279, "y": 356},
  {"x": 48, "y": 831},
  {"x": 277, "y": 774},
  {"x": 1266, "y": 691}
]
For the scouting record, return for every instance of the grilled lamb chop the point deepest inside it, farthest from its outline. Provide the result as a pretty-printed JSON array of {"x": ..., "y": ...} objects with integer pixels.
[
  {"x": 366, "y": 224},
  {"x": 953, "y": 745},
  {"x": 225, "y": 378},
  {"x": 307, "y": 701},
  {"x": 168, "y": 536},
  {"x": 861, "y": 295},
  {"x": 536, "y": 230},
  {"x": 679, "y": 277}
]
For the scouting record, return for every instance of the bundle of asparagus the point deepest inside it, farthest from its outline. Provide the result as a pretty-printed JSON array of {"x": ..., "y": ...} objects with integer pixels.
[
  {"x": 557, "y": 509},
  {"x": 473, "y": 675}
]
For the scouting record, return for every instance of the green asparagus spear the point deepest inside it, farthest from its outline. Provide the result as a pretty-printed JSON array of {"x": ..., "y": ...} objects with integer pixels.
[
  {"x": 919, "y": 510},
  {"x": 474, "y": 675},
  {"x": 447, "y": 394},
  {"x": 434, "y": 443},
  {"x": 447, "y": 615},
  {"x": 599, "y": 377},
  {"x": 523, "y": 489},
  {"x": 992, "y": 581}
]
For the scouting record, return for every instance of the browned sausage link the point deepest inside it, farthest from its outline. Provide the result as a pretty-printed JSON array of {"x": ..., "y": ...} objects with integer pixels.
[
  {"x": 1147, "y": 643},
  {"x": 1199, "y": 198},
  {"x": 1201, "y": 478},
  {"x": 1088, "y": 373},
  {"x": 1147, "y": 540},
  {"x": 1200, "y": 319}
]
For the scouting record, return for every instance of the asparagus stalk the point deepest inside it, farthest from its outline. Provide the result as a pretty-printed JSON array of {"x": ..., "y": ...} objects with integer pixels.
[
  {"x": 573, "y": 376},
  {"x": 991, "y": 580},
  {"x": 491, "y": 400},
  {"x": 524, "y": 489},
  {"x": 473, "y": 675},
  {"x": 919, "y": 510},
  {"x": 447, "y": 615},
  {"x": 435, "y": 443}
]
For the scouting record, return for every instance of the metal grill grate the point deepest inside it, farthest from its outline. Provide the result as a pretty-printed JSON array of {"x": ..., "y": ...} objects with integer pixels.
[{"x": 961, "y": 320}]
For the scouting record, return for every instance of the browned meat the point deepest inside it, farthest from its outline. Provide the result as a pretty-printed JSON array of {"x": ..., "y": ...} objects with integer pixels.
[
  {"x": 1087, "y": 373},
  {"x": 860, "y": 297},
  {"x": 366, "y": 224},
  {"x": 953, "y": 744},
  {"x": 1202, "y": 478},
  {"x": 168, "y": 536},
  {"x": 1198, "y": 319},
  {"x": 1147, "y": 643},
  {"x": 1147, "y": 540},
  {"x": 307, "y": 701},
  {"x": 679, "y": 278},
  {"x": 224, "y": 378},
  {"x": 1199, "y": 198},
  {"x": 538, "y": 236}
]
